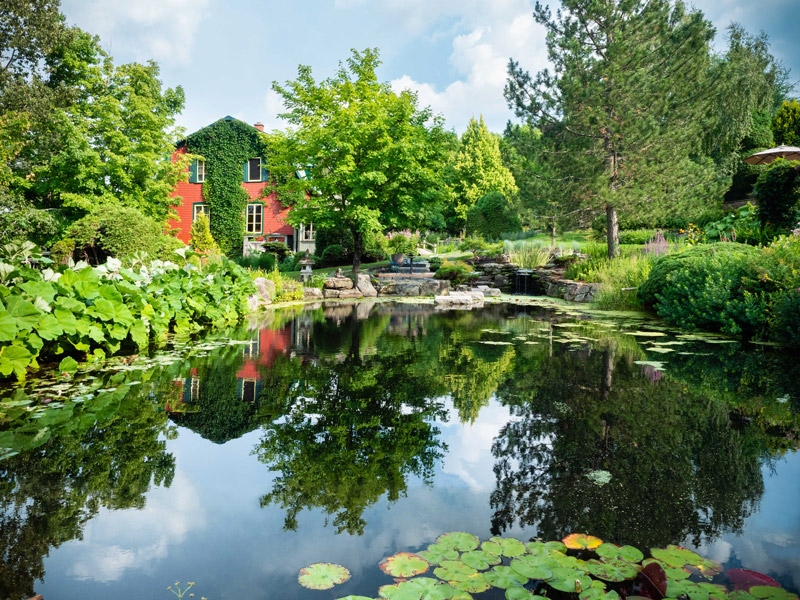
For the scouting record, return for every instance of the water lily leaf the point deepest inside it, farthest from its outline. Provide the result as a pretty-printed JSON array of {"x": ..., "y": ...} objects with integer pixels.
[
  {"x": 473, "y": 584},
  {"x": 68, "y": 365},
  {"x": 436, "y": 554},
  {"x": 480, "y": 559},
  {"x": 707, "y": 568},
  {"x": 509, "y": 547},
  {"x": 421, "y": 588},
  {"x": 594, "y": 593},
  {"x": 568, "y": 562},
  {"x": 451, "y": 570},
  {"x": 531, "y": 566},
  {"x": 614, "y": 552},
  {"x": 676, "y": 556},
  {"x": 670, "y": 572},
  {"x": 612, "y": 570},
  {"x": 355, "y": 598},
  {"x": 458, "y": 540},
  {"x": 461, "y": 595},
  {"x": 492, "y": 548},
  {"x": 557, "y": 546},
  {"x": 581, "y": 541},
  {"x": 646, "y": 333},
  {"x": 520, "y": 593},
  {"x": 403, "y": 564},
  {"x": 690, "y": 588},
  {"x": 768, "y": 592},
  {"x": 322, "y": 576},
  {"x": 740, "y": 595},
  {"x": 571, "y": 585},
  {"x": 651, "y": 363},
  {"x": 744, "y": 579},
  {"x": 505, "y": 577}
]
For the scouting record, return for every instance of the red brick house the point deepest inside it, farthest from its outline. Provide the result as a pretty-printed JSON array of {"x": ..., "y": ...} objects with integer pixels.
[{"x": 264, "y": 218}]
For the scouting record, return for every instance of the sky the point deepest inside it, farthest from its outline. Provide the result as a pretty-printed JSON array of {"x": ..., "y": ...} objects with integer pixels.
[{"x": 453, "y": 53}]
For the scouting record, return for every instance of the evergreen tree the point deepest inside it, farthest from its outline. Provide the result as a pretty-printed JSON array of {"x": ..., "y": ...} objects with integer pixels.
[
  {"x": 202, "y": 240},
  {"x": 477, "y": 170},
  {"x": 786, "y": 124},
  {"x": 627, "y": 99}
]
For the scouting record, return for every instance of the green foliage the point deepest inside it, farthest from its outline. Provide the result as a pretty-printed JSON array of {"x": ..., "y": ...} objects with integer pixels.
[
  {"x": 333, "y": 256},
  {"x": 62, "y": 251},
  {"x": 737, "y": 289},
  {"x": 492, "y": 216},
  {"x": 21, "y": 220},
  {"x": 457, "y": 272},
  {"x": 120, "y": 231},
  {"x": 226, "y": 145},
  {"x": 403, "y": 242},
  {"x": 375, "y": 159},
  {"x": 619, "y": 281},
  {"x": 478, "y": 170},
  {"x": 202, "y": 241},
  {"x": 786, "y": 123},
  {"x": 375, "y": 246},
  {"x": 778, "y": 191},
  {"x": 636, "y": 236},
  {"x": 90, "y": 313},
  {"x": 740, "y": 225},
  {"x": 279, "y": 249},
  {"x": 474, "y": 244},
  {"x": 263, "y": 261},
  {"x": 528, "y": 254}
]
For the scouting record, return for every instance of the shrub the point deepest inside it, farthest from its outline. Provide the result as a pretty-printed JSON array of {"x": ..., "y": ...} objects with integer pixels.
[
  {"x": 263, "y": 261},
  {"x": 335, "y": 255},
  {"x": 434, "y": 262},
  {"x": 475, "y": 245},
  {"x": 202, "y": 240},
  {"x": 279, "y": 249},
  {"x": 403, "y": 242},
  {"x": 491, "y": 216},
  {"x": 637, "y": 236},
  {"x": 778, "y": 190},
  {"x": 457, "y": 272},
  {"x": 374, "y": 245},
  {"x": 528, "y": 255},
  {"x": 619, "y": 279},
  {"x": 62, "y": 251}
]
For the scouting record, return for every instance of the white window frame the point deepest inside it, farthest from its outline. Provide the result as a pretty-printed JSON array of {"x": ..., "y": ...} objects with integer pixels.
[
  {"x": 252, "y": 350},
  {"x": 249, "y": 381},
  {"x": 258, "y": 158},
  {"x": 200, "y": 171},
  {"x": 260, "y": 213},
  {"x": 308, "y": 232},
  {"x": 204, "y": 208}
]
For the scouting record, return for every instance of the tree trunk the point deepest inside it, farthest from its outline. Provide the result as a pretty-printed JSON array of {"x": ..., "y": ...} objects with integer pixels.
[
  {"x": 612, "y": 231},
  {"x": 553, "y": 234},
  {"x": 358, "y": 250}
]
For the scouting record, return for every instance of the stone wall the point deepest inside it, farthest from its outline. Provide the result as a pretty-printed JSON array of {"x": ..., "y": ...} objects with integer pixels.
[
  {"x": 553, "y": 284},
  {"x": 495, "y": 275}
]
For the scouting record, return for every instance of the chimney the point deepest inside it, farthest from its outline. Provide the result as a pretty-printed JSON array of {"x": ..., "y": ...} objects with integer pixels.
[{"x": 259, "y": 126}]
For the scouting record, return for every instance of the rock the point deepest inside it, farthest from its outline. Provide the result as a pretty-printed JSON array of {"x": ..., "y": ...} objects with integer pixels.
[
  {"x": 253, "y": 302},
  {"x": 265, "y": 289},
  {"x": 364, "y": 285},
  {"x": 434, "y": 287},
  {"x": 477, "y": 295},
  {"x": 350, "y": 294},
  {"x": 453, "y": 299},
  {"x": 338, "y": 283},
  {"x": 363, "y": 310},
  {"x": 328, "y": 293},
  {"x": 310, "y": 293},
  {"x": 492, "y": 292},
  {"x": 400, "y": 288}
]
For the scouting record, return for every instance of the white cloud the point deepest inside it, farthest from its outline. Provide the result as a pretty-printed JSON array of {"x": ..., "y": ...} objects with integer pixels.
[
  {"x": 495, "y": 32},
  {"x": 162, "y": 30}
]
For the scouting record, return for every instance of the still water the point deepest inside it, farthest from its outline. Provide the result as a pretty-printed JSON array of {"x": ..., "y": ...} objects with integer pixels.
[{"x": 350, "y": 432}]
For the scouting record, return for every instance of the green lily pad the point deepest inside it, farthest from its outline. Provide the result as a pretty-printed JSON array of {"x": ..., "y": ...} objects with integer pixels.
[
  {"x": 571, "y": 585},
  {"x": 436, "y": 554},
  {"x": 531, "y": 567},
  {"x": 557, "y": 546},
  {"x": 676, "y": 573},
  {"x": 614, "y": 552},
  {"x": 451, "y": 570},
  {"x": 537, "y": 548},
  {"x": 404, "y": 564},
  {"x": 421, "y": 588},
  {"x": 473, "y": 584},
  {"x": 611, "y": 570},
  {"x": 461, "y": 595},
  {"x": 322, "y": 576},
  {"x": 505, "y": 577},
  {"x": 492, "y": 548},
  {"x": 581, "y": 541},
  {"x": 676, "y": 556},
  {"x": 690, "y": 588},
  {"x": 355, "y": 598},
  {"x": 568, "y": 562},
  {"x": 458, "y": 540},
  {"x": 510, "y": 547},
  {"x": 768, "y": 592},
  {"x": 480, "y": 559},
  {"x": 594, "y": 593},
  {"x": 646, "y": 333},
  {"x": 520, "y": 593}
]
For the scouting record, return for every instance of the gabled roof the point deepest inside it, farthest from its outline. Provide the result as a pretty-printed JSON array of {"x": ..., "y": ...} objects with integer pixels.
[{"x": 228, "y": 118}]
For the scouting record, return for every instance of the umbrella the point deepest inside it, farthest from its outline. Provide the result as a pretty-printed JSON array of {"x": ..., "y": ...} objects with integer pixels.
[{"x": 767, "y": 156}]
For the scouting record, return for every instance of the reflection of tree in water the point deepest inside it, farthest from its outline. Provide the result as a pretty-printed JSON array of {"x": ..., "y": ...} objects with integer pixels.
[
  {"x": 357, "y": 424},
  {"x": 48, "y": 494},
  {"x": 679, "y": 466}
]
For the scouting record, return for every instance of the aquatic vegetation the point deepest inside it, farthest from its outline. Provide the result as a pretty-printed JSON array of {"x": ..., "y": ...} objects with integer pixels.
[
  {"x": 322, "y": 576},
  {"x": 580, "y": 564}
]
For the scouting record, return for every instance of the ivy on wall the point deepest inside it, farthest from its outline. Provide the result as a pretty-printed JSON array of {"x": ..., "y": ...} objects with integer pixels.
[{"x": 226, "y": 145}]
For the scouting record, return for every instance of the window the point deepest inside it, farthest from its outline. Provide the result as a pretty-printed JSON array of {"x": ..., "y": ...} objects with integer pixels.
[
  {"x": 254, "y": 221},
  {"x": 254, "y": 169},
  {"x": 201, "y": 207},
  {"x": 194, "y": 389},
  {"x": 308, "y": 232},
  {"x": 253, "y": 349},
  {"x": 248, "y": 390},
  {"x": 201, "y": 171}
]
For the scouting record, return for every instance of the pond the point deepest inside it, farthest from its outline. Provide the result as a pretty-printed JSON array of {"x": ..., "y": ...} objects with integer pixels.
[{"x": 350, "y": 432}]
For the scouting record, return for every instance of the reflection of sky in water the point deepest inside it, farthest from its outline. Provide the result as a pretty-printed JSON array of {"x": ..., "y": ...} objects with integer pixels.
[
  {"x": 208, "y": 526},
  {"x": 771, "y": 537}
]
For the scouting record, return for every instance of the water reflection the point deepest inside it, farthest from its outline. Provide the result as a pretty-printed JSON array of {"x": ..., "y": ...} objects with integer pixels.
[{"x": 617, "y": 427}]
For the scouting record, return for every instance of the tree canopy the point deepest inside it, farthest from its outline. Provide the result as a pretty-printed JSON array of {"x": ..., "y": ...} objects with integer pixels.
[{"x": 357, "y": 155}]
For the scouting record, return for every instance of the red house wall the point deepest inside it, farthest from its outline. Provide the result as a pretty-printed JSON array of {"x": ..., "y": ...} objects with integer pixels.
[
  {"x": 272, "y": 343},
  {"x": 190, "y": 193}
]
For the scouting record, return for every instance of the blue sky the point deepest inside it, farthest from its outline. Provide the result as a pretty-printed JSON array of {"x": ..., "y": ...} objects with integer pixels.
[{"x": 226, "y": 54}]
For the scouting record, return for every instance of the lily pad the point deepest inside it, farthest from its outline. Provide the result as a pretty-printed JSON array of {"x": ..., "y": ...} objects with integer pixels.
[
  {"x": 538, "y": 548},
  {"x": 505, "y": 577},
  {"x": 451, "y": 570},
  {"x": 614, "y": 552},
  {"x": 355, "y": 598},
  {"x": 768, "y": 592},
  {"x": 404, "y": 564},
  {"x": 322, "y": 576},
  {"x": 581, "y": 541},
  {"x": 531, "y": 566},
  {"x": 594, "y": 593},
  {"x": 480, "y": 559},
  {"x": 473, "y": 584},
  {"x": 510, "y": 547},
  {"x": 557, "y": 546},
  {"x": 646, "y": 333},
  {"x": 492, "y": 548},
  {"x": 690, "y": 588},
  {"x": 672, "y": 572},
  {"x": 458, "y": 540},
  {"x": 520, "y": 593},
  {"x": 421, "y": 588},
  {"x": 613, "y": 570},
  {"x": 676, "y": 556},
  {"x": 571, "y": 585},
  {"x": 436, "y": 554}
]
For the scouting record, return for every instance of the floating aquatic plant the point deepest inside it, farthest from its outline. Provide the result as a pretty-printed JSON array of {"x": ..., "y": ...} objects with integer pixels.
[
  {"x": 322, "y": 576},
  {"x": 404, "y": 564}
]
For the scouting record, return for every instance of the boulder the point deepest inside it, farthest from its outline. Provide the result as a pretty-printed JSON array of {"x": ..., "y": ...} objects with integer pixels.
[
  {"x": 364, "y": 285},
  {"x": 363, "y": 310},
  {"x": 477, "y": 295},
  {"x": 328, "y": 293},
  {"x": 350, "y": 294},
  {"x": 310, "y": 293},
  {"x": 400, "y": 288},
  {"x": 454, "y": 299},
  {"x": 265, "y": 289},
  {"x": 338, "y": 283},
  {"x": 253, "y": 302},
  {"x": 491, "y": 292},
  {"x": 434, "y": 287}
]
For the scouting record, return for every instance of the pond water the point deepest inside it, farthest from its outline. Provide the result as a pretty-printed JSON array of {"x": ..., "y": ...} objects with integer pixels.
[{"x": 350, "y": 432}]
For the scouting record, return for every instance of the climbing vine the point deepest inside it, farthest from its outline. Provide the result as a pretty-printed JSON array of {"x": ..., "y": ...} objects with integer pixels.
[{"x": 226, "y": 145}]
